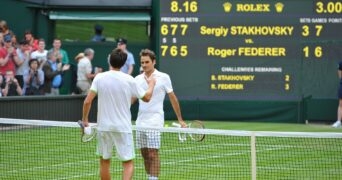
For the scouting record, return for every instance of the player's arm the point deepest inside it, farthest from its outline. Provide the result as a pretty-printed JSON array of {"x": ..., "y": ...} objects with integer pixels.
[
  {"x": 130, "y": 69},
  {"x": 133, "y": 100},
  {"x": 148, "y": 94},
  {"x": 131, "y": 62},
  {"x": 86, "y": 107},
  {"x": 176, "y": 108},
  {"x": 339, "y": 73}
]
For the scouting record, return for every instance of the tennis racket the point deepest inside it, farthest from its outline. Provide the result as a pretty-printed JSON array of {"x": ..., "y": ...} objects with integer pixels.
[
  {"x": 88, "y": 133},
  {"x": 196, "y": 124}
]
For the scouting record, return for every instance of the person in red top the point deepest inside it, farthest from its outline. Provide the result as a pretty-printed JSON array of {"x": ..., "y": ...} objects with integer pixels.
[
  {"x": 8, "y": 56},
  {"x": 30, "y": 38}
]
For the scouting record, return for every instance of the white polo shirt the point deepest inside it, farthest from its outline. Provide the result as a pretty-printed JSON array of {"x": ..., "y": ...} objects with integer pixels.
[
  {"x": 84, "y": 67},
  {"x": 115, "y": 90},
  {"x": 151, "y": 114}
]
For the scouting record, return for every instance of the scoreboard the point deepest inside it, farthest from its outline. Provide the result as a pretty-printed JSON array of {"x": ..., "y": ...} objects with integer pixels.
[{"x": 233, "y": 49}]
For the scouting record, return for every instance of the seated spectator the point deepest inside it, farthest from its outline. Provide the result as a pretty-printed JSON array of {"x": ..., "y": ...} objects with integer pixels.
[
  {"x": 34, "y": 79},
  {"x": 11, "y": 85},
  {"x": 53, "y": 71}
]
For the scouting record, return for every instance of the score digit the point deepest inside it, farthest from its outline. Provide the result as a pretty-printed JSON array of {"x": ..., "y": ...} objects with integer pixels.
[
  {"x": 187, "y": 6},
  {"x": 318, "y": 52},
  {"x": 328, "y": 7},
  {"x": 174, "y": 51},
  {"x": 174, "y": 6},
  {"x": 306, "y": 30},
  {"x": 173, "y": 28}
]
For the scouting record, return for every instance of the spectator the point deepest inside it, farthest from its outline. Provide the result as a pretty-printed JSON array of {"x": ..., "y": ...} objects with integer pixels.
[
  {"x": 8, "y": 56},
  {"x": 53, "y": 71},
  {"x": 128, "y": 66},
  {"x": 15, "y": 41},
  {"x": 4, "y": 29},
  {"x": 79, "y": 56},
  {"x": 22, "y": 64},
  {"x": 41, "y": 53},
  {"x": 1, "y": 40},
  {"x": 98, "y": 37},
  {"x": 11, "y": 85},
  {"x": 33, "y": 78},
  {"x": 1, "y": 81},
  {"x": 75, "y": 89},
  {"x": 28, "y": 36},
  {"x": 61, "y": 54},
  {"x": 84, "y": 71}
]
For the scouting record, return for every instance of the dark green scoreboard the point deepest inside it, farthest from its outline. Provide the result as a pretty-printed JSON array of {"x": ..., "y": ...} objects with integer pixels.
[{"x": 257, "y": 50}]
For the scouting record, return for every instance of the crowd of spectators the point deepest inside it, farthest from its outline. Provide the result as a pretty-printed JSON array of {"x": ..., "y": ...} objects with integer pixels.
[{"x": 27, "y": 67}]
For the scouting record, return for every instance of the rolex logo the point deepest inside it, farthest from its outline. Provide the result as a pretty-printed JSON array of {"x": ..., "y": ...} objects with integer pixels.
[
  {"x": 279, "y": 7},
  {"x": 227, "y": 7}
]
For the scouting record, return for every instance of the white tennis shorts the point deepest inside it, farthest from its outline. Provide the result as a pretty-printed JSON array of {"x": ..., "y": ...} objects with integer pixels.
[
  {"x": 148, "y": 139},
  {"x": 123, "y": 143}
]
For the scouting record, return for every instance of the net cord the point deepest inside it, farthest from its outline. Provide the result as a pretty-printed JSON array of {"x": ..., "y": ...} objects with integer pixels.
[{"x": 35, "y": 122}]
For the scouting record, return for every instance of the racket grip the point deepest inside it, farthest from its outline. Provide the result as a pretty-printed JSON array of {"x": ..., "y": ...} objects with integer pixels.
[
  {"x": 79, "y": 122},
  {"x": 176, "y": 125}
]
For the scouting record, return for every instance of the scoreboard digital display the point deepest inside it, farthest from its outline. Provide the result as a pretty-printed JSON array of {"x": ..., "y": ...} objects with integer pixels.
[{"x": 233, "y": 49}]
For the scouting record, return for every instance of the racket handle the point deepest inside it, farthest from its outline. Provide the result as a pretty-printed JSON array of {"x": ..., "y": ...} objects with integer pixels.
[
  {"x": 176, "y": 125},
  {"x": 79, "y": 122}
]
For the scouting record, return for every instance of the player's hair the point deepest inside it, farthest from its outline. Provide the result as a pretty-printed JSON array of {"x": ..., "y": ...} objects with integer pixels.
[
  {"x": 147, "y": 52},
  {"x": 117, "y": 58}
]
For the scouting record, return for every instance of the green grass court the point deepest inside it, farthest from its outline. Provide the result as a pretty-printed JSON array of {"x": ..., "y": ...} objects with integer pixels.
[
  {"x": 83, "y": 30},
  {"x": 53, "y": 153}
]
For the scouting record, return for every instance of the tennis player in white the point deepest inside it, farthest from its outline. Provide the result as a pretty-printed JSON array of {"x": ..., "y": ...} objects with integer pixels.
[
  {"x": 115, "y": 91},
  {"x": 151, "y": 114}
]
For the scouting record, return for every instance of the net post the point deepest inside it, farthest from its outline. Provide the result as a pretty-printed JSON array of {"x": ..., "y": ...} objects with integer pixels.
[{"x": 253, "y": 157}]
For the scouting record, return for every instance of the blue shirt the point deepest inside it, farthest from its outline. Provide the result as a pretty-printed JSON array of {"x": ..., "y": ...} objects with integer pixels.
[
  {"x": 57, "y": 80},
  {"x": 129, "y": 61}
]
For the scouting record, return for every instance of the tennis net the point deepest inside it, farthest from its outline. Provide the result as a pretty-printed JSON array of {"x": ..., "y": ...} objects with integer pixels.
[{"x": 37, "y": 149}]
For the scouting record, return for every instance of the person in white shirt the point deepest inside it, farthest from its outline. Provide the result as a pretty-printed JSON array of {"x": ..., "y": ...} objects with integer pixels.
[
  {"x": 152, "y": 114},
  {"x": 115, "y": 91},
  {"x": 84, "y": 71},
  {"x": 41, "y": 53}
]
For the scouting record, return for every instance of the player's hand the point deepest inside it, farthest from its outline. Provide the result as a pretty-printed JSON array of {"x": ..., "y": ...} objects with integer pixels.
[
  {"x": 151, "y": 80},
  {"x": 183, "y": 124},
  {"x": 85, "y": 123}
]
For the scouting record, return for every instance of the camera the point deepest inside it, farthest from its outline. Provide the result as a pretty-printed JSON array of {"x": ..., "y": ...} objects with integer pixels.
[{"x": 35, "y": 73}]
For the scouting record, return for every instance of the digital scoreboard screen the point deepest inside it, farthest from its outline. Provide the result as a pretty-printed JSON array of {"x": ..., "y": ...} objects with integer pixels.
[{"x": 219, "y": 49}]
